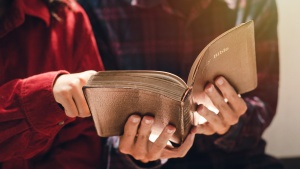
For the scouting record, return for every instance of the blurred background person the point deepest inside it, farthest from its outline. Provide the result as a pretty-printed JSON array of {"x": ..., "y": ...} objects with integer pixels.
[{"x": 168, "y": 35}]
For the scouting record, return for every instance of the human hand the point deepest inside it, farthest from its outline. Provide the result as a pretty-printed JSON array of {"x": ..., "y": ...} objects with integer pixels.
[
  {"x": 229, "y": 104},
  {"x": 67, "y": 91},
  {"x": 135, "y": 141}
]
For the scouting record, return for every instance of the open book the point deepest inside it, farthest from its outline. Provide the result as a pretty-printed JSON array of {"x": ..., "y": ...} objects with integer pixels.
[{"x": 113, "y": 96}]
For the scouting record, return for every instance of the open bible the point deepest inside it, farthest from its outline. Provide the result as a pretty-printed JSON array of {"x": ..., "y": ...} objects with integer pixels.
[{"x": 113, "y": 96}]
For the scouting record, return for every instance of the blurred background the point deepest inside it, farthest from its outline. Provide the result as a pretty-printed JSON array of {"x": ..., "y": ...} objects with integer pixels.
[{"x": 283, "y": 136}]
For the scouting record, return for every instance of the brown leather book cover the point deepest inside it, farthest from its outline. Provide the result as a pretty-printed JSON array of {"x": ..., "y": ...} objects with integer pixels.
[{"x": 113, "y": 96}]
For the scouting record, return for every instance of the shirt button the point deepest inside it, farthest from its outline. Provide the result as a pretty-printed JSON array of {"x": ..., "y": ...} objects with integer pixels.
[{"x": 61, "y": 123}]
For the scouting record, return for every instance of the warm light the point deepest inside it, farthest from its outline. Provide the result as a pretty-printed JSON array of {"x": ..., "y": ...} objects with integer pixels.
[
  {"x": 134, "y": 2},
  {"x": 209, "y": 105},
  {"x": 200, "y": 119},
  {"x": 153, "y": 137}
]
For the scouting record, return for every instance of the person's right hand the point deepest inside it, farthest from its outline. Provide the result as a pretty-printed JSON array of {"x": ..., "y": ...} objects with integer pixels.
[
  {"x": 222, "y": 97},
  {"x": 135, "y": 141},
  {"x": 67, "y": 91}
]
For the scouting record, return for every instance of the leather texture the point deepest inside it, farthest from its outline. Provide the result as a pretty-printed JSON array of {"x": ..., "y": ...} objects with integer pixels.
[{"x": 112, "y": 108}]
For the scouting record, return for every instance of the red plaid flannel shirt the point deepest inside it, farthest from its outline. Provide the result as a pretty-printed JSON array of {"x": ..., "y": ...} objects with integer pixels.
[{"x": 155, "y": 35}]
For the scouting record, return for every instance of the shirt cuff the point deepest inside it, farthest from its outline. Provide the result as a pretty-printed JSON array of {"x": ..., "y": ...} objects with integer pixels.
[{"x": 42, "y": 111}]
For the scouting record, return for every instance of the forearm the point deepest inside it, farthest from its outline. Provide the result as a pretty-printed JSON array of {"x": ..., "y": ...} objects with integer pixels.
[{"x": 29, "y": 116}]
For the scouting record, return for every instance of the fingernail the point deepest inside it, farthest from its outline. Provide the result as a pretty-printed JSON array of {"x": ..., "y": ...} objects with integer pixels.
[
  {"x": 209, "y": 88},
  {"x": 200, "y": 107},
  {"x": 135, "y": 119},
  {"x": 147, "y": 121},
  {"x": 170, "y": 131},
  {"x": 200, "y": 111},
  {"x": 220, "y": 81}
]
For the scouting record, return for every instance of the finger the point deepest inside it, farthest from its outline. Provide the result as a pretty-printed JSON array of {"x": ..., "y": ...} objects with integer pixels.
[
  {"x": 81, "y": 104},
  {"x": 89, "y": 73},
  {"x": 161, "y": 142},
  {"x": 225, "y": 111},
  {"x": 180, "y": 151},
  {"x": 205, "y": 129},
  {"x": 141, "y": 146},
  {"x": 216, "y": 123},
  {"x": 130, "y": 130},
  {"x": 187, "y": 144},
  {"x": 65, "y": 99},
  {"x": 77, "y": 84},
  {"x": 235, "y": 101}
]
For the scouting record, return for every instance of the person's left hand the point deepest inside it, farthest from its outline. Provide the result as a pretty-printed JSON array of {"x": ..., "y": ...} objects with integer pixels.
[
  {"x": 135, "y": 141},
  {"x": 67, "y": 91},
  {"x": 224, "y": 99}
]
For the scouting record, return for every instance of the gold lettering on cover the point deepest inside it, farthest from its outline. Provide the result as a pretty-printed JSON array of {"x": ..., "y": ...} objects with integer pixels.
[
  {"x": 215, "y": 56},
  {"x": 221, "y": 52}
]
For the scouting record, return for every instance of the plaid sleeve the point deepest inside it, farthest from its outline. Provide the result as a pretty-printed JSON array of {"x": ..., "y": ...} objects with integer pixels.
[{"x": 262, "y": 101}]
